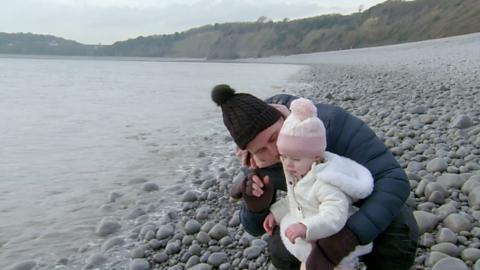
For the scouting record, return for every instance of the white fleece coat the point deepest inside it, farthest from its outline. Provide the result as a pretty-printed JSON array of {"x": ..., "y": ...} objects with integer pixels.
[{"x": 322, "y": 201}]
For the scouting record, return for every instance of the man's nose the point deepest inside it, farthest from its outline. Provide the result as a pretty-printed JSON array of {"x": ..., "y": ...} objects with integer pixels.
[{"x": 273, "y": 149}]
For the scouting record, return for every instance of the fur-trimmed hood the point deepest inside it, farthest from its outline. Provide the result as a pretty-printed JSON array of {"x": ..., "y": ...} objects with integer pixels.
[{"x": 350, "y": 177}]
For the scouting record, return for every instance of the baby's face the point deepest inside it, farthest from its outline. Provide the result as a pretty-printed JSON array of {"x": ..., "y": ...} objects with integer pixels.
[{"x": 298, "y": 166}]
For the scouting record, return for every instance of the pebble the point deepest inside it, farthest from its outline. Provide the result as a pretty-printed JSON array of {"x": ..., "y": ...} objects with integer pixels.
[
  {"x": 139, "y": 264},
  {"x": 447, "y": 248},
  {"x": 24, "y": 265},
  {"x": 450, "y": 263},
  {"x": 470, "y": 254},
  {"x": 218, "y": 231},
  {"x": 252, "y": 252},
  {"x": 165, "y": 232},
  {"x": 106, "y": 227},
  {"x": 426, "y": 221},
  {"x": 97, "y": 259},
  {"x": 192, "y": 227},
  {"x": 457, "y": 223},
  {"x": 216, "y": 259},
  {"x": 116, "y": 241},
  {"x": 149, "y": 187}
]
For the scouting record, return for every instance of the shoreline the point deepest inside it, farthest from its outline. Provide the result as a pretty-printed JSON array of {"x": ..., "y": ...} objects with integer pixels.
[{"x": 424, "y": 109}]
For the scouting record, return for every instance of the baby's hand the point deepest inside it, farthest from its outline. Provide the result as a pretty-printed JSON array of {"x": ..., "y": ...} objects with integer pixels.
[
  {"x": 295, "y": 230},
  {"x": 269, "y": 223}
]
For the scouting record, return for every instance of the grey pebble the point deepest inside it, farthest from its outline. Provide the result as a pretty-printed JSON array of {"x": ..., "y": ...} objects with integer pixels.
[
  {"x": 207, "y": 226},
  {"x": 470, "y": 254},
  {"x": 216, "y": 259},
  {"x": 133, "y": 214},
  {"x": 139, "y": 264},
  {"x": 450, "y": 263},
  {"x": 252, "y": 252},
  {"x": 195, "y": 249},
  {"x": 457, "y": 223},
  {"x": 160, "y": 257},
  {"x": 154, "y": 244},
  {"x": 203, "y": 238},
  {"x": 24, "y": 265},
  {"x": 116, "y": 241},
  {"x": 106, "y": 227},
  {"x": 137, "y": 253},
  {"x": 205, "y": 257},
  {"x": 201, "y": 266},
  {"x": 192, "y": 261},
  {"x": 186, "y": 256},
  {"x": 165, "y": 232},
  {"x": 447, "y": 248},
  {"x": 426, "y": 221},
  {"x": 192, "y": 227},
  {"x": 218, "y": 231},
  {"x": 97, "y": 259},
  {"x": 172, "y": 248},
  {"x": 189, "y": 196},
  {"x": 136, "y": 181},
  {"x": 149, "y": 187},
  {"x": 150, "y": 235},
  {"x": 147, "y": 228}
]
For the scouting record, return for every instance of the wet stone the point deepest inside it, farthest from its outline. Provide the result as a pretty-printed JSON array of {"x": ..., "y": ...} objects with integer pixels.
[
  {"x": 24, "y": 265},
  {"x": 106, "y": 227},
  {"x": 165, "y": 232},
  {"x": 149, "y": 187},
  {"x": 450, "y": 263},
  {"x": 97, "y": 259},
  {"x": 139, "y": 264}
]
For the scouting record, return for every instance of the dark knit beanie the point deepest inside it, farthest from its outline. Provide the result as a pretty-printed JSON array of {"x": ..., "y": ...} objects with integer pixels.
[{"x": 244, "y": 115}]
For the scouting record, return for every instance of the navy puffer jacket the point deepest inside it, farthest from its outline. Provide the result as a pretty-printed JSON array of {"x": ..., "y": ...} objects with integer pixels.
[{"x": 348, "y": 136}]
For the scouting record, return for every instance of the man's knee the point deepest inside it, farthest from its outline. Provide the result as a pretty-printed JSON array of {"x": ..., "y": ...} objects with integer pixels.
[
  {"x": 396, "y": 247},
  {"x": 279, "y": 255}
]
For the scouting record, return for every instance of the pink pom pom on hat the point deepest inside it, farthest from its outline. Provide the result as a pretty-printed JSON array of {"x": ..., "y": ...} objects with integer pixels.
[{"x": 303, "y": 133}]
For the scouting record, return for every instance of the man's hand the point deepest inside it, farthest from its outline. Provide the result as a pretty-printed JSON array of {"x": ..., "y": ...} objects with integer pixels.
[
  {"x": 328, "y": 252},
  {"x": 256, "y": 192},
  {"x": 255, "y": 184},
  {"x": 295, "y": 230},
  {"x": 268, "y": 223}
]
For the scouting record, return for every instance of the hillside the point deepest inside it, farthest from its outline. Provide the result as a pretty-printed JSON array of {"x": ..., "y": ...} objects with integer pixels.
[
  {"x": 29, "y": 43},
  {"x": 391, "y": 22}
]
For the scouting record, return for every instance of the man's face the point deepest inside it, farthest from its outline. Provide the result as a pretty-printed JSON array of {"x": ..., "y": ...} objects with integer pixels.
[{"x": 264, "y": 146}]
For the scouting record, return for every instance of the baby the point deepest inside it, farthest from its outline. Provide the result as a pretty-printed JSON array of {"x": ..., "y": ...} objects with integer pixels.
[{"x": 322, "y": 186}]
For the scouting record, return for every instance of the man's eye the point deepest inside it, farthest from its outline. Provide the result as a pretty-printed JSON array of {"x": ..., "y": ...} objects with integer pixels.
[{"x": 261, "y": 150}]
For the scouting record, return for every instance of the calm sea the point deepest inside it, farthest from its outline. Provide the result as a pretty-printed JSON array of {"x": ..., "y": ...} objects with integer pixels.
[{"x": 72, "y": 131}]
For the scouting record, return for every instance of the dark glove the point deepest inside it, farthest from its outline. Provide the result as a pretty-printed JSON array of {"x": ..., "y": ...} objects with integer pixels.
[
  {"x": 328, "y": 252},
  {"x": 244, "y": 189}
]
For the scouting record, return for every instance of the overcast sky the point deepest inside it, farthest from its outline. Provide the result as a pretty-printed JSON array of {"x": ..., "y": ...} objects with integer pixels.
[{"x": 107, "y": 21}]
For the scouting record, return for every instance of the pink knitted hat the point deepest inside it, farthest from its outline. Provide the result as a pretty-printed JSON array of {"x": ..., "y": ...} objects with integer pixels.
[{"x": 303, "y": 133}]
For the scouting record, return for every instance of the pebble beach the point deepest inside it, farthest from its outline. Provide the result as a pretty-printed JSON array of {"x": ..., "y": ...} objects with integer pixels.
[{"x": 422, "y": 99}]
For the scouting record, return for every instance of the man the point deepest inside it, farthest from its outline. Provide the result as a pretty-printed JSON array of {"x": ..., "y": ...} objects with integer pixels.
[{"x": 382, "y": 218}]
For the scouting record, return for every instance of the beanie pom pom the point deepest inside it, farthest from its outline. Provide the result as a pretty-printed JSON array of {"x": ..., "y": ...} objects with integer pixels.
[
  {"x": 303, "y": 108},
  {"x": 221, "y": 93}
]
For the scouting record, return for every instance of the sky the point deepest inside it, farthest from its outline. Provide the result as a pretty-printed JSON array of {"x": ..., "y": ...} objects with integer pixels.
[{"x": 108, "y": 21}]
